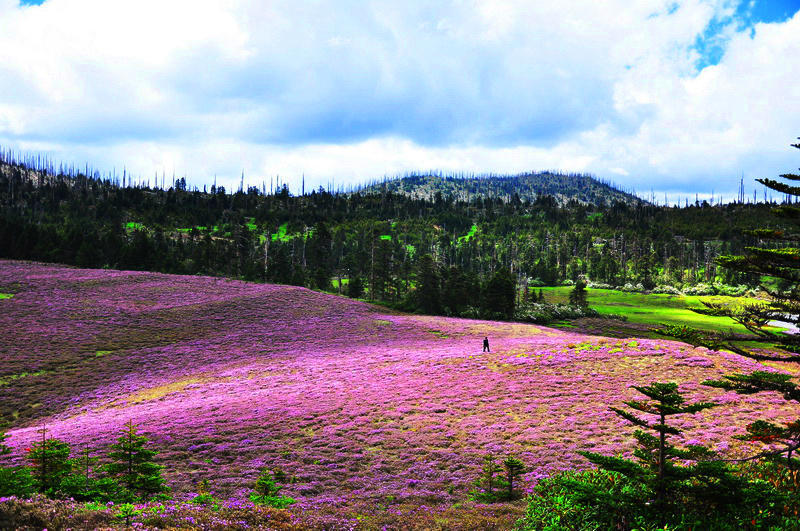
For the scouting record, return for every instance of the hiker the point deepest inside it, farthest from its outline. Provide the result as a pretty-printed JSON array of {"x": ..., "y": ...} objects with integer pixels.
[{"x": 486, "y": 344}]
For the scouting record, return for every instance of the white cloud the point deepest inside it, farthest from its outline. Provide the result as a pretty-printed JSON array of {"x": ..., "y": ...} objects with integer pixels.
[{"x": 351, "y": 90}]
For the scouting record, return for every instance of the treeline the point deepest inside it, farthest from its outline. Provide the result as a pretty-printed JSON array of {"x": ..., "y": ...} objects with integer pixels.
[{"x": 383, "y": 246}]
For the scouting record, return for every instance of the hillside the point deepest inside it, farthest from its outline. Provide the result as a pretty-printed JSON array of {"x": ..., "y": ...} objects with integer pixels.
[
  {"x": 527, "y": 186},
  {"x": 364, "y": 408}
]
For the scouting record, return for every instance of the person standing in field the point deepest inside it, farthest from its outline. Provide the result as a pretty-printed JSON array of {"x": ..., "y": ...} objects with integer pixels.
[{"x": 486, "y": 344}]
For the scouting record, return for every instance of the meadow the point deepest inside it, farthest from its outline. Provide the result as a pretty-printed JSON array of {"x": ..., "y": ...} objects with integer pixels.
[
  {"x": 655, "y": 309},
  {"x": 375, "y": 416}
]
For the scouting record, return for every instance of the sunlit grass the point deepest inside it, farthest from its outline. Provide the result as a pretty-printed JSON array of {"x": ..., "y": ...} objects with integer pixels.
[{"x": 655, "y": 308}]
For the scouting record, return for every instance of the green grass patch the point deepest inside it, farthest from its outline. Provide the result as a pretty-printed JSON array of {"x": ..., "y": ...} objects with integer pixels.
[
  {"x": 655, "y": 308},
  {"x": 387, "y": 237},
  {"x": 101, "y": 353},
  {"x": 411, "y": 250},
  {"x": 134, "y": 225},
  {"x": 5, "y": 380},
  {"x": 335, "y": 282},
  {"x": 6, "y": 296}
]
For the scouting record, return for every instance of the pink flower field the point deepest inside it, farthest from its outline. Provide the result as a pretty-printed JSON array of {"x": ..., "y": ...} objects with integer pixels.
[{"x": 365, "y": 408}]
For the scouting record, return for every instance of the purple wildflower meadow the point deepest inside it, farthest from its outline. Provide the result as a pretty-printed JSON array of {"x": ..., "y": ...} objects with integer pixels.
[{"x": 356, "y": 404}]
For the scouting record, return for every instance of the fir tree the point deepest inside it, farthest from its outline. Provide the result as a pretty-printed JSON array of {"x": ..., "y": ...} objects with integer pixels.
[
  {"x": 132, "y": 464},
  {"x": 577, "y": 297},
  {"x": 780, "y": 261},
  {"x": 50, "y": 463},
  {"x": 428, "y": 290},
  {"x": 499, "y": 294},
  {"x": 514, "y": 468},
  {"x": 656, "y": 457}
]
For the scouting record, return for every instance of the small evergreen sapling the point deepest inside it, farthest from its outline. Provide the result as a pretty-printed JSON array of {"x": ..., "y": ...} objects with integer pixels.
[
  {"x": 578, "y": 295},
  {"x": 491, "y": 485},
  {"x": 267, "y": 491},
  {"x": 488, "y": 481},
  {"x": 50, "y": 463},
  {"x": 514, "y": 468},
  {"x": 132, "y": 464},
  {"x": 15, "y": 480}
]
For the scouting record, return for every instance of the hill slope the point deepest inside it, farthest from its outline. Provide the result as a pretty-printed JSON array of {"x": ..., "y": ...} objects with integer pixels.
[
  {"x": 362, "y": 407},
  {"x": 528, "y": 186}
]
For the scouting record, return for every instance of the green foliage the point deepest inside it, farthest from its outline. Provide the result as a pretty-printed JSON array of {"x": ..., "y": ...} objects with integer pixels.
[
  {"x": 496, "y": 481},
  {"x": 514, "y": 469},
  {"x": 50, "y": 463},
  {"x": 578, "y": 295},
  {"x": 132, "y": 464},
  {"x": 355, "y": 287},
  {"x": 500, "y": 295},
  {"x": 601, "y": 499},
  {"x": 489, "y": 486},
  {"x": 428, "y": 286},
  {"x": 204, "y": 496},
  {"x": 267, "y": 491},
  {"x": 16, "y": 481}
]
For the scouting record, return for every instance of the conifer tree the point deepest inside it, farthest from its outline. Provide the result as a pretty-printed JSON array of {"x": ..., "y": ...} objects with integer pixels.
[
  {"x": 514, "y": 468},
  {"x": 132, "y": 464},
  {"x": 656, "y": 457},
  {"x": 50, "y": 463},
  {"x": 428, "y": 289},
  {"x": 780, "y": 261},
  {"x": 778, "y": 257},
  {"x": 577, "y": 297}
]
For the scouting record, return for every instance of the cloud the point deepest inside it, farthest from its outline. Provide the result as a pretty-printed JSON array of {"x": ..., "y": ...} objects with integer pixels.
[{"x": 673, "y": 96}]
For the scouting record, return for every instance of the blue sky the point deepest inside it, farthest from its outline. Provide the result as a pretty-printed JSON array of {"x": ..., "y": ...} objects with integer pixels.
[{"x": 674, "y": 96}]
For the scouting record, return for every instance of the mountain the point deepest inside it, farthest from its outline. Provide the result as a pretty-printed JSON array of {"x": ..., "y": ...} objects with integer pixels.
[{"x": 528, "y": 186}]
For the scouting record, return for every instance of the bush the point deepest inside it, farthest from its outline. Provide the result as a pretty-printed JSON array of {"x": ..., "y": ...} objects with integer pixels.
[
  {"x": 669, "y": 290},
  {"x": 599, "y": 499},
  {"x": 267, "y": 490},
  {"x": 543, "y": 313},
  {"x": 633, "y": 288}
]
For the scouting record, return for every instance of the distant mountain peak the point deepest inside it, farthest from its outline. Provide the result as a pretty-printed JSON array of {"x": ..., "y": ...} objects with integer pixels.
[{"x": 528, "y": 186}]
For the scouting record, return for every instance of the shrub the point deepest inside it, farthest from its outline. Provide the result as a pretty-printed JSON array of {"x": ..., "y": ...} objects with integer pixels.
[
  {"x": 491, "y": 486},
  {"x": 267, "y": 491},
  {"x": 543, "y": 312}
]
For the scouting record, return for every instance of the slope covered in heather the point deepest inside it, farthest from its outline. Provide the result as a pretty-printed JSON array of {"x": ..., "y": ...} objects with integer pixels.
[{"x": 361, "y": 406}]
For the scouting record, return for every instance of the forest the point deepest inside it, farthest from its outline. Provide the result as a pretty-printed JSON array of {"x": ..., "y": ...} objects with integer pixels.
[{"x": 419, "y": 243}]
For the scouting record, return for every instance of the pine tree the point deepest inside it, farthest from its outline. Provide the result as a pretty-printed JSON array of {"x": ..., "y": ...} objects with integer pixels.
[
  {"x": 428, "y": 289},
  {"x": 781, "y": 261},
  {"x": 514, "y": 468},
  {"x": 50, "y": 463},
  {"x": 656, "y": 457},
  {"x": 500, "y": 294},
  {"x": 132, "y": 464},
  {"x": 577, "y": 296}
]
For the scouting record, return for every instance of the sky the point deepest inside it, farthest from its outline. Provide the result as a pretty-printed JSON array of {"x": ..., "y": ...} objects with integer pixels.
[{"x": 671, "y": 97}]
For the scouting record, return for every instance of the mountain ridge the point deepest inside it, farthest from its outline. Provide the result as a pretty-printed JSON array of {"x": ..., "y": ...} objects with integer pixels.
[{"x": 529, "y": 186}]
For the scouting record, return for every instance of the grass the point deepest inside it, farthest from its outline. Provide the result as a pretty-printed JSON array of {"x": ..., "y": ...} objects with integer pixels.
[
  {"x": 6, "y": 296},
  {"x": 654, "y": 308},
  {"x": 134, "y": 225}
]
